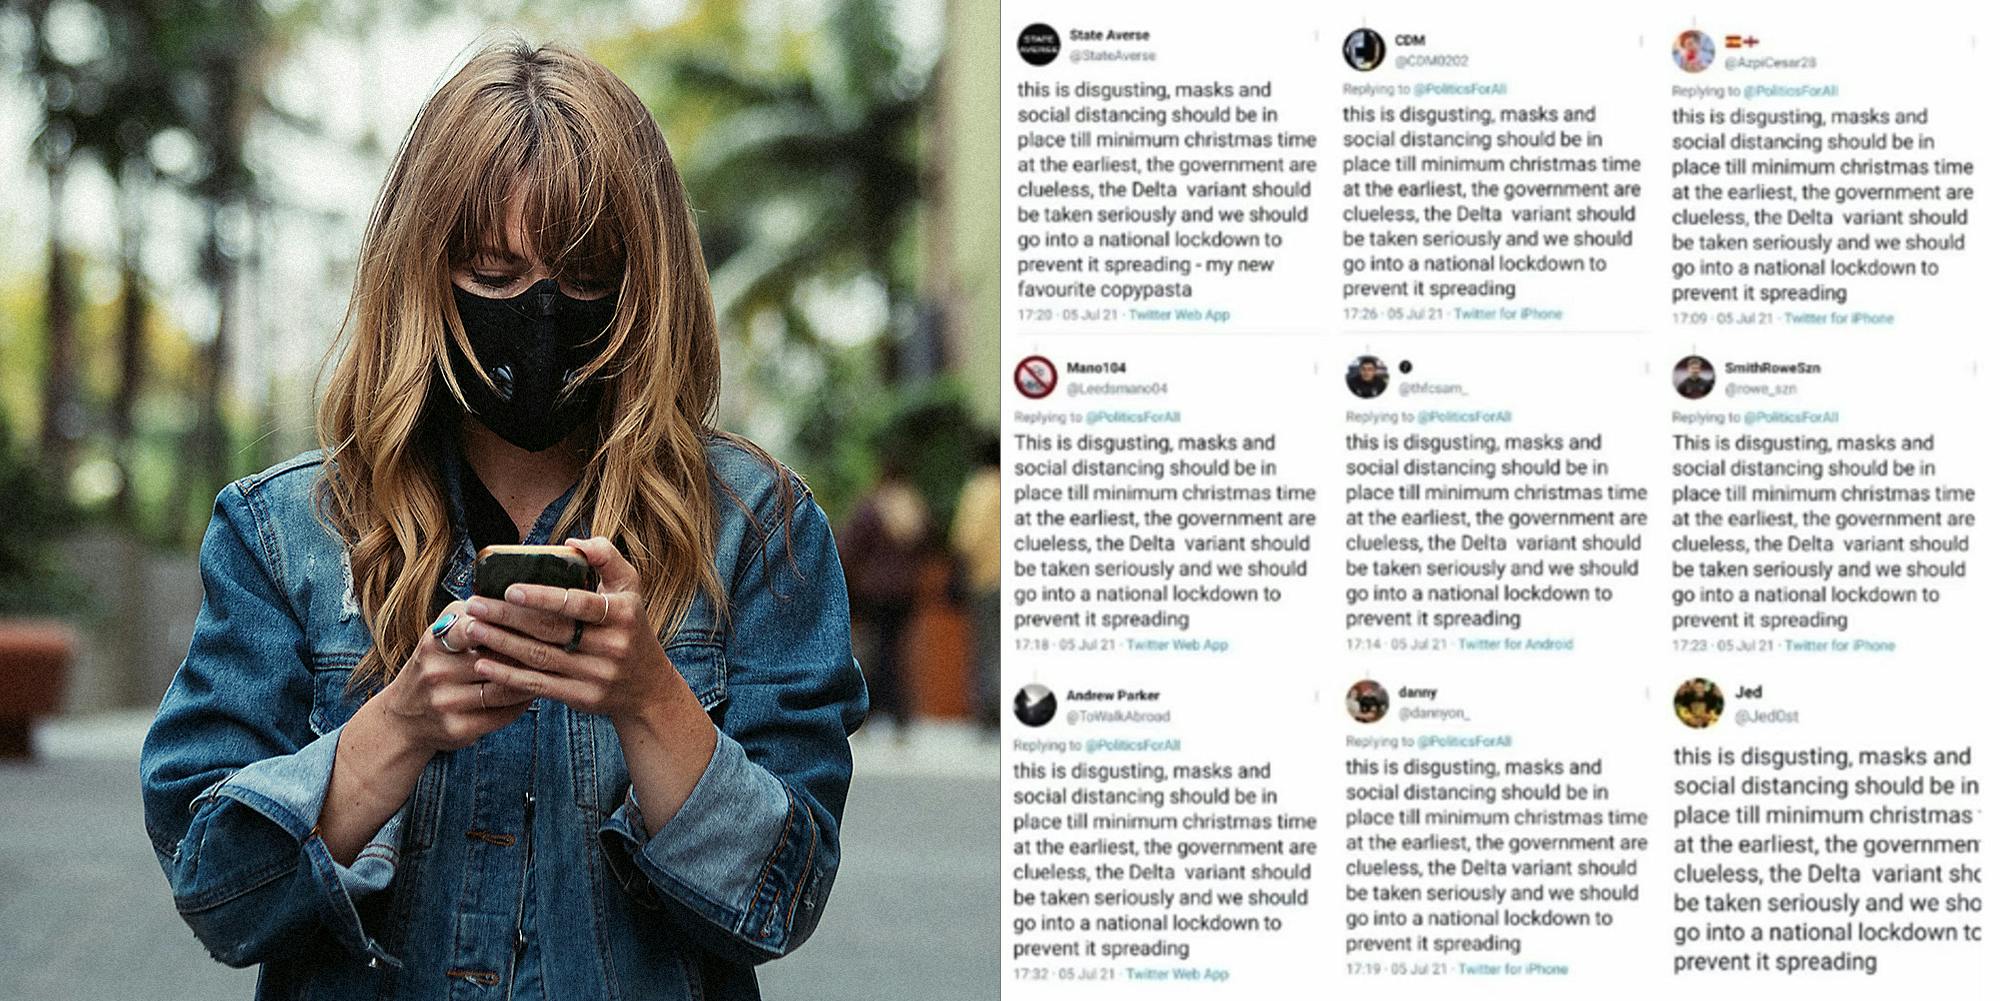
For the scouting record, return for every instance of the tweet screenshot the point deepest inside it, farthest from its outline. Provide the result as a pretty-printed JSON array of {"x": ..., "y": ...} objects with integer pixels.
[{"x": 1496, "y": 499}]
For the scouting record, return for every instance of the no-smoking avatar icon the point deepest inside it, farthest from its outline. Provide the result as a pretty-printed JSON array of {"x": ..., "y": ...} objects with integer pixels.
[{"x": 1035, "y": 377}]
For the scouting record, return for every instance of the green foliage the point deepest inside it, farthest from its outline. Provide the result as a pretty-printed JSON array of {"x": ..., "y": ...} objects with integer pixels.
[
  {"x": 804, "y": 158},
  {"x": 851, "y": 434},
  {"x": 804, "y": 167},
  {"x": 32, "y": 581}
]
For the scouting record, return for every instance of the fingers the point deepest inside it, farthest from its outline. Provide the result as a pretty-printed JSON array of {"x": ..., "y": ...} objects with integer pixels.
[
  {"x": 467, "y": 721},
  {"x": 613, "y": 570},
  {"x": 598, "y": 641},
  {"x": 497, "y": 695},
  {"x": 464, "y": 699},
  {"x": 527, "y": 651},
  {"x": 539, "y": 684},
  {"x": 441, "y": 694},
  {"x": 528, "y": 619},
  {"x": 571, "y": 605},
  {"x": 451, "y": 685}
]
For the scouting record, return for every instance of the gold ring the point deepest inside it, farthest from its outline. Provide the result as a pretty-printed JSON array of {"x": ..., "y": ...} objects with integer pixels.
[
  {"x": 607, "y": 606},
  {"x": 482, "y": 695}
]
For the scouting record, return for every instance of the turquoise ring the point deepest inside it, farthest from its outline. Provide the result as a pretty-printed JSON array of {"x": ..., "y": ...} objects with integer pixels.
[{"x": 440, "y": 627}]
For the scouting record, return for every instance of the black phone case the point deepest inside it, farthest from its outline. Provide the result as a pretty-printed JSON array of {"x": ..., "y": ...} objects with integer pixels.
[{"x": 492, "y": 576}]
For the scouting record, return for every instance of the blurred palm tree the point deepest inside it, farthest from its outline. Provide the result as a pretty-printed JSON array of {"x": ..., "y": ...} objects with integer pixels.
[
  {"x": 120, "y": 137},
  {"x": 810, "y": 173},
  {"x": 227, "y": 50},
  {"x": 804, "y": 149},
  {"x": 68, "y": 82},
  {"x": 113, "y": 77}
]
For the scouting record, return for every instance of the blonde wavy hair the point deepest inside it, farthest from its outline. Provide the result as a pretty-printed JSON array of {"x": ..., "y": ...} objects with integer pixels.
[{"x": 601, "y": 195}]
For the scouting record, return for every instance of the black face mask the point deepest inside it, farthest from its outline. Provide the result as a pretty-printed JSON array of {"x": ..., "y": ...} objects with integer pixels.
[{"x": 529, "y": 344}]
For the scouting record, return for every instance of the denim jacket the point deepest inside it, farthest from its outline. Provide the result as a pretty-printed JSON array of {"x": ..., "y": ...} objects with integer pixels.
[{"x": 522, "y": 855}]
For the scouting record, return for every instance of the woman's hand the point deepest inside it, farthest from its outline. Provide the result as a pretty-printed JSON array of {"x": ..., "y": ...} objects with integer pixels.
[
  {"x": 618, "y": 668},
  {"x": 439, "y": 701}
]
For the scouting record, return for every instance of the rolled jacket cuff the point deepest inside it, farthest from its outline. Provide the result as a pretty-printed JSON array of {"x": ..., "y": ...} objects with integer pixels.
[
  {"x": 290, "y": 790},
  {"x": 716, "y": 845}
]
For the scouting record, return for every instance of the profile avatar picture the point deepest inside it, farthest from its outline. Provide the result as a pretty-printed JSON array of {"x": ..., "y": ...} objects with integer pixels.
[
  {"x": 1698, "y": 703},
  {"x": 1367, "y": 377},
  {"x": 1039, "y": 44},
  {"x": 1035, "y": 705},
  {"x": 1693, "y": 50},
  {"x": 1694, "y": 377},
  {"x": 1364, "y": 49},
  {"x": 1035, "y": 377},
  {"x": 1367, "y": 701}
]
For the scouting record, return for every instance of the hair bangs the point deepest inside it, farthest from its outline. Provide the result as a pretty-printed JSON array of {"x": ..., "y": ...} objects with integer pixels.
[{"x": 565, "y": 200}]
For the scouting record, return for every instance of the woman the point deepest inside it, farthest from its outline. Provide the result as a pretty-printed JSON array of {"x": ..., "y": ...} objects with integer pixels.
[
  {"x": 376, "y": 785},
  {"x": 883, "y": 541}
]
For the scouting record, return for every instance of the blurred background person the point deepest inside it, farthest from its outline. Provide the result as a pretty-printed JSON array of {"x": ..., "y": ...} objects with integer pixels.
[
  {"x": 882, "y": 547},
  {"x": 975, "y": 540}
]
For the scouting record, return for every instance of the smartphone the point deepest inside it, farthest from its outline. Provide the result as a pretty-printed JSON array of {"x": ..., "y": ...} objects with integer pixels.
[{"x": 555, "y": 566}]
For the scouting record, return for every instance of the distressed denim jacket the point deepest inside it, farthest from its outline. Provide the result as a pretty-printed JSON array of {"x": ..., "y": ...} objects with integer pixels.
[{"x": 518, "y": 865}]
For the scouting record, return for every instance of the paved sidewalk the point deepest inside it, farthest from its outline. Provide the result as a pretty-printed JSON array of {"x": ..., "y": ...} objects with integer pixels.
[{"x": 84, "y": 910}]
